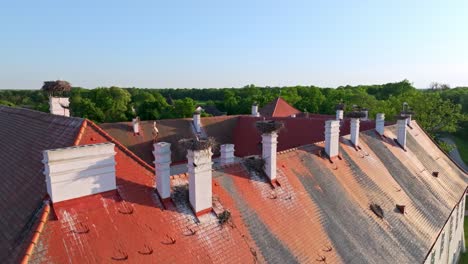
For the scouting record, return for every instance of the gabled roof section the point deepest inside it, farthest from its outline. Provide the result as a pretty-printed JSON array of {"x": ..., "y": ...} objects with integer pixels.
[
  {"x": 278, "y": 108},
  {"x": 24, "y": 134}
]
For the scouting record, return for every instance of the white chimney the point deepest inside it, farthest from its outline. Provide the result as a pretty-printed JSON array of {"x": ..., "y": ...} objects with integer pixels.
[
  {"x": 59, "y": 106},
  {"x": 293, "y": 115},
  {"x": 197, "y": 121},
  {"x": 408, "y": 119},
  {"x": 332, "y": 135},
  {"x": 355, "y": 131},
  {"x": 200, "y": 176},
  {"x": 269, "y": 145},
  {"x": 255, "y": 110},
  {"x": 79, "y": 171},
  {"x": 339, "y": 114},
  {"x": 401, "y": 132},
  {"x": 162, "y": 164},
  {"x": 227, "y": 153},
  {"x": 380, "y": 123},
  {"x": 366, "y": 115},
  {"x": 136, "y": 126}
]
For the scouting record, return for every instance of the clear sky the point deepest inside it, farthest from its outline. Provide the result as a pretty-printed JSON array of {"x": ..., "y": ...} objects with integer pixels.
[{"x": 158, "y": 44}]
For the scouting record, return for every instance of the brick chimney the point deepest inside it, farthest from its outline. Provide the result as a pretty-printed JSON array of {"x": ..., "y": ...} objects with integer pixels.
[
  {"x": 200, "y": 176},
  {"x": 227, "y": 153},
  {"x": 255, "y": 110},
  {"x": 59, "y": 106},
  {"x": 355, "y": 131},
  {"x": 401, "y": 132},
  {"x": 269, "y": 146},
  {"x": 162, "y": 165},
  {"x": 332, "y": 135},
  {"x": 79, "y": 171},
  {"x": 197, "y": 121},
  {"x": 136, "y": 126},
  {"x": 380, "y": 123}
]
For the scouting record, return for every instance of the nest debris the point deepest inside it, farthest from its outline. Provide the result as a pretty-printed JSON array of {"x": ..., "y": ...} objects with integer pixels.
[
  {"x": 224, "y": 217},
  {"x": 253, "y": 163},
  {"x": 377, "y": 210},
  {"x": 197, "y": 144},
  {"x": 269, "y": 126}
]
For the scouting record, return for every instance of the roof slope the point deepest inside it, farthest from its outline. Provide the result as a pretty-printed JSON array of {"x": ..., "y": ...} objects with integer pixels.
[
  {"x": 319, "y": 211},
  {"x": 171, "y": 131},
  {"x": 278, "y": 108},
  {"x": 24, "y": 134},
  {"x": 297, "y": 132}
]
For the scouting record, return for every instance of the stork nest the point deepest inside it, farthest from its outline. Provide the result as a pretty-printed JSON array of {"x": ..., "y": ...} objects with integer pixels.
[
  {"x": 269, "y": 126},
  {"x": 407, "y": 112},
  {"x": 253, "y": 163},
  {"x": 197, "y": 144},
  {"x": 401, "y": 117},
  {"x": 340, "y": 106},
  {"x": 356, "y": 114}
]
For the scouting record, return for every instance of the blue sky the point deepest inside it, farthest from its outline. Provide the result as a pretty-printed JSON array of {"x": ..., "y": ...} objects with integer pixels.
[{"x": 161, "y": 44}]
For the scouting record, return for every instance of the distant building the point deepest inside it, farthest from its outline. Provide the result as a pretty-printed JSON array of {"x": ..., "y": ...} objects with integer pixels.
[{"x": 337, "y": 191}]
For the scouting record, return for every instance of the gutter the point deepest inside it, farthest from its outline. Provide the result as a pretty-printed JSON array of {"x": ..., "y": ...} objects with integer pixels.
[{"x": 37, "y": 232}]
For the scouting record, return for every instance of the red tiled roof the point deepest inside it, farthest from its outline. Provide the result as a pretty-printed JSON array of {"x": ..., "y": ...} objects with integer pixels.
[
  {"x": 24, "y": 134},
  {"x": 278, "y": 108},
  {"x": 319, "y": 212},
  {"x": 297, "y": 132}
]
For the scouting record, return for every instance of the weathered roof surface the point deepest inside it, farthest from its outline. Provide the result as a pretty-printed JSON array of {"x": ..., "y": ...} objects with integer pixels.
[
  {"x": 297, "y": 132},
  {"x": 24, "y": 134},
  {"x": 170, "y": 130},
  {"x": 278, "y": 108},
  {"x": 319, "y": 211}
]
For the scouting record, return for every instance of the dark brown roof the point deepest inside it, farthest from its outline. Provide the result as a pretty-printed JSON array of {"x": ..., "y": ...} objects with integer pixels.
[
  {"x": 24, "y": 134},
  {"x": 278, "y": 108}
]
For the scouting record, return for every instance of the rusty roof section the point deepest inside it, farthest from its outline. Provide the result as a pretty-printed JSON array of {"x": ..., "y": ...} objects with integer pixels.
[
  {"x": 24, "y": 134},
  {"x": 318, "y": 213},
  {"x": 278, "y": 108}
]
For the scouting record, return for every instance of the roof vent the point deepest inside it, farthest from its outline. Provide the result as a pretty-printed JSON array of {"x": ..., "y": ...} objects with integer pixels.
[
  {"x": 400, "y": 208},
  {"x": 435, "y": 174},
  {"x": 377, "y": 210}
]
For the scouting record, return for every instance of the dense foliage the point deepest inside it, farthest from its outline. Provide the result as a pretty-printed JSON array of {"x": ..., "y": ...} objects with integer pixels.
[{"x": 437, "y": 110}]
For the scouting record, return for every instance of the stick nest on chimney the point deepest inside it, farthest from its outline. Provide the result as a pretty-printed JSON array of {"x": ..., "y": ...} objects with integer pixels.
[
  {"x": 254, "y": 164},
  {"x": 269, "y": 126},
  {"x": 198, "y": 144},
  {"x": 356, "y": 114}
]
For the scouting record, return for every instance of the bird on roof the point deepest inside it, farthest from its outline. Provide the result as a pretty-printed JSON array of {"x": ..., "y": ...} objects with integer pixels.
[{"x": 155, "y": 131}]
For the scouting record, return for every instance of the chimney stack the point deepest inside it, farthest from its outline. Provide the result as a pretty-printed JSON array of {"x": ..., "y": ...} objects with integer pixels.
[
  {"x": 401, "y": 132},
  {"x": 162, "y": 164},
  {"x": 355, "y": 131},
  {"x": 269, "y": 146},
  {"x": 366, "y": 114},
  {"x": 380, "y": 123},
  {"x": 136, "y": 126},
  {"x": 339, "y": 114},
  {"x": 227, "y": 153},
  {"x": 332, "y": 135},
  {"x": 200, "y": 176},
  {"x": 79, "y": 171},
  {"x": 59, "y": 106},
  {"x": 255, "y": 110},
  {"x": 197, "y": 121}
]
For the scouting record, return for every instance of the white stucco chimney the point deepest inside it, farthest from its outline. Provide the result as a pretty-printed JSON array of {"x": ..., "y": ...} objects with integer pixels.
[
  {"x": 162, "y": 165},
  {"x": 59, "y": 106},
  {"x": 227, "y": 153},
  {"x": 269, "y": 146},
  {"x": 332, "y": 135},
  {"x": 401, "y": 132},
  {"x": 200, "y": 176},
  {"x": 197, "y": 121},
  {"x": 79, "y": 171},
  {"x": 339, "y": 114},
  {"x": 255, "y": 110},
  {"x": 136, "y": 125},
  {"x": 355, "y": 131},
  {"x": 380, "y": 123},
  {"x": 366, "y": 114},
  {"x": 408, "y": 119}
]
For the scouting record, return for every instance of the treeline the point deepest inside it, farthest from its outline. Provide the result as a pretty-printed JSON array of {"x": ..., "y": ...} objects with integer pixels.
[{"x": 438, "y": 110}]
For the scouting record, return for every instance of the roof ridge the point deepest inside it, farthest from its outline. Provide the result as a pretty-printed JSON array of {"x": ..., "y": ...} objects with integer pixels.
[
  {"x": 128, "y": 152},
  {"x": 276, "y": 105},
  {"x": 21, "y": 110}
]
